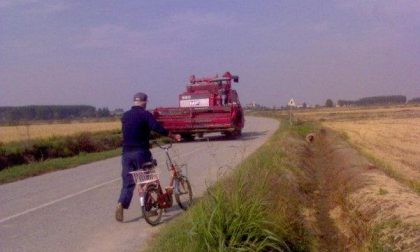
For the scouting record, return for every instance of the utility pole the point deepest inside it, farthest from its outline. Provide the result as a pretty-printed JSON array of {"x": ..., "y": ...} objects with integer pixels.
[{"x": 291, "y": 104}]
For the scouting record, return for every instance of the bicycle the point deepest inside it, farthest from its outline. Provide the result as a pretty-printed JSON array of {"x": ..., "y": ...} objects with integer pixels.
[{"x": 153, "y": 199}]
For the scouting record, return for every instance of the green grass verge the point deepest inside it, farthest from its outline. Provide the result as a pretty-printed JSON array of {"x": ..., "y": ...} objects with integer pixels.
[
  {"x": 29, "y": 170},
  {"x": 257, "y": 208}
]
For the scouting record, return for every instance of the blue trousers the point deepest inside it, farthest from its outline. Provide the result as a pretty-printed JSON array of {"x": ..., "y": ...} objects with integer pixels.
[{"x": 131, "y": 161}]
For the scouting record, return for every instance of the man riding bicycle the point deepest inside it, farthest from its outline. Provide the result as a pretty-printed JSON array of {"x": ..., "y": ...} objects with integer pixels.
[{"x": 137, "y": 123}]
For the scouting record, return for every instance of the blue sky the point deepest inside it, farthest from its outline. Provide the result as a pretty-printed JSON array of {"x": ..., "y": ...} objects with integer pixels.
[{"x": 102, "y": 52}]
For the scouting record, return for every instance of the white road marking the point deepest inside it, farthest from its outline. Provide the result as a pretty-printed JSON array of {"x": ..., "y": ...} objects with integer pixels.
[
  {"x": 57, "y": 200},
  {"x": 75, "y": 194}
]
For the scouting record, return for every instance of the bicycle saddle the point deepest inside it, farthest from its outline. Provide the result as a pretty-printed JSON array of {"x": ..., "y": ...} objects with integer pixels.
[{"x": 150, "y": 164}]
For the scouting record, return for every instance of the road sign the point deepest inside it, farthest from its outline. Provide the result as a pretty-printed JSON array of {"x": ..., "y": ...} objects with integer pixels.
[{"x": 292, "y": 103}]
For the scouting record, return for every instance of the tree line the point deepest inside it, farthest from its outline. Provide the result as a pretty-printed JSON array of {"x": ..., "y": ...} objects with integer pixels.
[
  {"x": 50, "y": 112},
  {"x": 375, "y": 100},
  {"x": 414, "y": 100}
]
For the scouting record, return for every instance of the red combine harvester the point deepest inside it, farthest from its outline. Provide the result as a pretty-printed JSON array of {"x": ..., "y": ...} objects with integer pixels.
[{"x": 208, "y": 105}]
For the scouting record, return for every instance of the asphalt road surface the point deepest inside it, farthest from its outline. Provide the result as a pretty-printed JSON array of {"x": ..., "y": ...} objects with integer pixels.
[{"x": 73, "y": 210}]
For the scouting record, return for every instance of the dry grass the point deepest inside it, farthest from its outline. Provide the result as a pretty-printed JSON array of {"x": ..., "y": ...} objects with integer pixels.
[
  {"x": 359, "y": 113},
  {"x": 390, "y": 136},
  {"x": 30, "y": 132},
  {"x": 395, "y": 141}
]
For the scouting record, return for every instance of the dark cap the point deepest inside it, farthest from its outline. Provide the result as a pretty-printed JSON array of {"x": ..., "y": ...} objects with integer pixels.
[{"x": 140, "y": 97}]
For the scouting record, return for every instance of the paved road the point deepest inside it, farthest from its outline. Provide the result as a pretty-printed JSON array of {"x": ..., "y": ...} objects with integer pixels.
[{"x": 73, "y": 210}]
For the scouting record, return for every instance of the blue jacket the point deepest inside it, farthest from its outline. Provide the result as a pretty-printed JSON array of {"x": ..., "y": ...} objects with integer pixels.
[{"x": 136, "y": 126}]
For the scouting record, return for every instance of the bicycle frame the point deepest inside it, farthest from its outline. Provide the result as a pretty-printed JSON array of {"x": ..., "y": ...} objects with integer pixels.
[
  {"x": 153, "y": 198},
  {"x": 171, "y": 167},
  {"x": 164, "y": 198}
]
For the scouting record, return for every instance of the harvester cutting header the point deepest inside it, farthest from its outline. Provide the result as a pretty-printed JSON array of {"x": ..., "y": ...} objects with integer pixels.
[{"x": 207, "y": 105}]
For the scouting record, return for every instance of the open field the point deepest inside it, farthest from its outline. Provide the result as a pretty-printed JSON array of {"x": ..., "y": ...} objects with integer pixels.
[
  {"x": 37, "y": 131},
  {"x": 359, "y": 113},
  {"x": 394, "y": 141},
  {"x": 388, "y": 136}
]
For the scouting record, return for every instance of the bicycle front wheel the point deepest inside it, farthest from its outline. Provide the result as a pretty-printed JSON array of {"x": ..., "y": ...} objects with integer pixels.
[
  {"x": 183, "y": 192},
  {"x": 152, "y": 213}
]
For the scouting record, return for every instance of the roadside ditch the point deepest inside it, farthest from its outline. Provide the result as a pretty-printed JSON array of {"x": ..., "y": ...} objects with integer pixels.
[
  {"x": 299, "y": 194},
  {"x": 354, "y": 205}
]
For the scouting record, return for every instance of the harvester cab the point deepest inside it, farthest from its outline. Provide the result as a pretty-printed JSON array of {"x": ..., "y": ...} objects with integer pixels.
[
  {"x": 209, "y": 92},
  {"x": 208, "y": 105}
]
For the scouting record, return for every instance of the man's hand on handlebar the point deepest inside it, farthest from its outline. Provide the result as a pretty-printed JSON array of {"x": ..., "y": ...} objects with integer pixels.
[{"x": 176, "y": 137}]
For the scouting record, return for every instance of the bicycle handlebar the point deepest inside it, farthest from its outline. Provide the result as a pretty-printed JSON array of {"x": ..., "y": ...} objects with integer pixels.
[{"x": 163, "y": 146}]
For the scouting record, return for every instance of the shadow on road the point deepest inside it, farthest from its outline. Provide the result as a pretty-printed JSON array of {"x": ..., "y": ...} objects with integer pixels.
[
  {"x": 168, "y": 215},
  {"x": 134, "y": 220},
  {"x": 246, "y": 136}
]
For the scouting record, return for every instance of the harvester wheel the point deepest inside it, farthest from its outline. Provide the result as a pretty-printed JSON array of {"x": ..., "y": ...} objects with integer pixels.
[
  {"x": 187, "y": 137},
  {"x": 237, "y": 133},
  {"x": 234, "y": 134}
]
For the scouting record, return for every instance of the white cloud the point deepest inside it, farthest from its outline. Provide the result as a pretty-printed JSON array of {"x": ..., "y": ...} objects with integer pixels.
[
  {"x": 51, "y": 7},
  {"x": 16, "y": 3},
  {"x": 35, "y": 6},
  {"x": 130, "y": 42},
  {"x": 163, "y": 40},
  {"x": 190, "y": 18},
  {"x": 381, "y": 7},
  {"x": 108, "y": 35},
  {"x": 320, "y": 27},
  {"x": 193, "y": 24}
]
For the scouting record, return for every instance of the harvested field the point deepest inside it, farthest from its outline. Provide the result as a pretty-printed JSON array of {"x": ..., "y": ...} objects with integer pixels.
[
  {"x": 357, "y": 113},
  {"x": 395, "y": 141},
  {"x": 37, "y": 131}
]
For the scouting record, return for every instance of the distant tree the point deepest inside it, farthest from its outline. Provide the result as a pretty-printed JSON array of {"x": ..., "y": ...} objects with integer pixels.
[
  {"x": 44, "y": 112},
  {"x": 103, "y": 112},
  {"x": 329, "y": 103},
  {"x": 117, "y": 112},
  {"x": 414, "y": 100},
  {"x": 342, "y": 103},
  {"x": 375, "y": 100},
  {"x": 382, "y": 100},
  {"x": 304, "y": 105}
]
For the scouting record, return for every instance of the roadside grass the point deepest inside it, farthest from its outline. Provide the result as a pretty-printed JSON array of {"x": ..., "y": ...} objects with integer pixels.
[
  {"x": 257, "y": 208},
  {"x": 33, "y": 169},
  {"x": 20, "y": 153},
  {"x": 18, "y": 172},
  {"x": 377, "y": 243}
]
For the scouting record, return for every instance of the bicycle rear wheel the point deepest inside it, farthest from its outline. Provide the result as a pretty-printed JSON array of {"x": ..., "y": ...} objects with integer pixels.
[
  {"x": 183, "y": 192},
  {"x": 151, "y": 211}
]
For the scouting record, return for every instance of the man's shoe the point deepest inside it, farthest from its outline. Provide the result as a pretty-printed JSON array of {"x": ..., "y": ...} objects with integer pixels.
[{"x": 119, "y": 213}]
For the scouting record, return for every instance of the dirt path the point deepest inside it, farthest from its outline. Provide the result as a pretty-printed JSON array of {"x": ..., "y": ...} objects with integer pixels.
[{"x": 355, "y": 206}]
